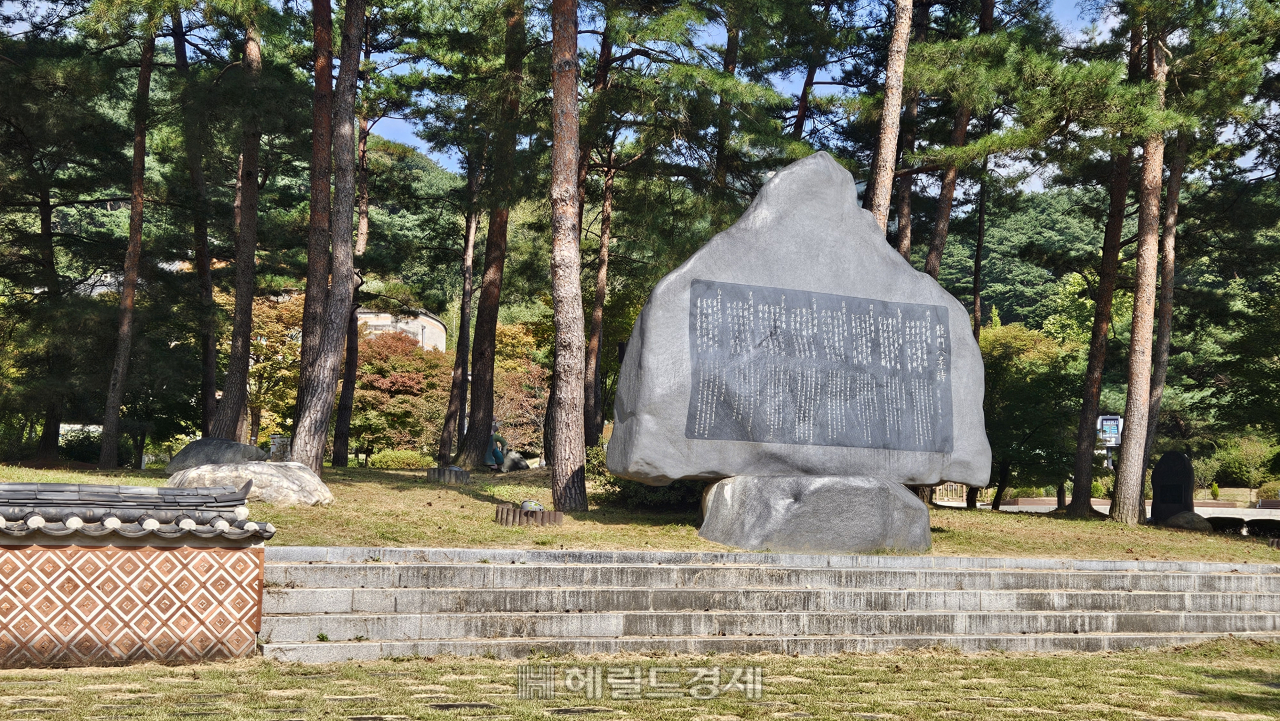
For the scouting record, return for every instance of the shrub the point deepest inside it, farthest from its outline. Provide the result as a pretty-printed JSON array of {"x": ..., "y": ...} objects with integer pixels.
[
  {"x": 1205, "y": 469},
  {"x": 85, "y": 446},
  {"x": 596, "y": 471},
  {"x": 399, "y": 460},
  {"x": 1237, "y": 472},
  {"x": 682, "y": 495},
  {"x": 1098, "y": 490},
  {"x": 1213, "y": 491},
  {"x": 1269, "y": 491}
]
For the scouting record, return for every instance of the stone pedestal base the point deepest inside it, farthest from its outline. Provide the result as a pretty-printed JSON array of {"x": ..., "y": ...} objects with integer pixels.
[{"x": 815, "y": 514}]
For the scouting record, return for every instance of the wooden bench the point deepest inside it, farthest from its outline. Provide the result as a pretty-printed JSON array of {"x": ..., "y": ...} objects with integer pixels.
[{"x": 1269, "y": 503}]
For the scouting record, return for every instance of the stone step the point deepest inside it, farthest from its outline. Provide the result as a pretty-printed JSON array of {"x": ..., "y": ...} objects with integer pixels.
[
  {"x": 320, "y": 652},
  {"x": 408, "y": 627},
  {"x": 590, "y": 600},
  {"x": 350, "y": 554},
  {"x": 482, "y": 575}
]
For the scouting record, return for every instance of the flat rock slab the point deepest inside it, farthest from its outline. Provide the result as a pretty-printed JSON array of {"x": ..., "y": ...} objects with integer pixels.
[
  {"x": 280, "y": 484},
  {"x": 822, "y": 514},
  {"x": 208, "y": 451},
  {"x": 798, "y": 342}
]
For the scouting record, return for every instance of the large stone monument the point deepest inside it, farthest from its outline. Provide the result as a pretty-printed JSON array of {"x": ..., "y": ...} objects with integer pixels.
[{"x": 799, "y": 344}]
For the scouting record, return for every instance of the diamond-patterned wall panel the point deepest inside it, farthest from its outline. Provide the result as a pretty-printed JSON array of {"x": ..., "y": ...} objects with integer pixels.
[{"x": 77, "y": 605}]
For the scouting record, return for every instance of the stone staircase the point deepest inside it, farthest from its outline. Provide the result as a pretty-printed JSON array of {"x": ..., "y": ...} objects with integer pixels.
[{"x": 336, "y": 604}]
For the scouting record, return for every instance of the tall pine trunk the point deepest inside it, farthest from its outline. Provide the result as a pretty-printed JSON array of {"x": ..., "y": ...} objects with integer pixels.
[
  {"x": 56, "y": 356},
  {"x": 235, "y": 387},
  {"x": 346, "y": 401},
  {"x": 1002, "y": 484},
  {"x": 318, "y": 254},
  {"x": 593, "y": 407},
  {"x": 977, "y": 253},
  {"x": 316, "y": 406},
  {"x": 597, "y": 113},
  {"x": 193, "y": 147},
  {"x": 1087, "y": 431},
  {"x": 480, "y": 419},
  {"x": 946, "y": 198},
  {"x": 1164, "y": 315},
  {"x": 568, "y": 481},
  {"x": 47, "y": 448},
  {"x": 911, "y": 123},
  {"x": 724, "y": 123},
  {"x": 597, "y": 110},
  {"x": 815, "y": 61},
  {"x": 139, "y": 449},
  {"x": 906, "y": 184},
  {"x": 255, "y": 424},
  {"x": 881, "y": 182},
  {"x": 132, "y": 260},
  {"x": 1129, "y": 476},
  {"x": 462, "y": 353},
  {"x": 351, "y": 358},
  {"x": 362, "y": 190}
]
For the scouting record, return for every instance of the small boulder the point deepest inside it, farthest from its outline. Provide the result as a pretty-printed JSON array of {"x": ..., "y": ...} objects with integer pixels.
[
  {"x": 280, "y": 484},
  {"x": 1188, "y": 521},
  {"x": 208, "y": 451},
  {"x": 514, "y": 462},
  {"x": 816, "y": 514}
]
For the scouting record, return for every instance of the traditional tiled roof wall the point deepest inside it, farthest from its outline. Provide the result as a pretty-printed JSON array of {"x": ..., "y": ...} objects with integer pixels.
[
  {"x": 107, "y": 574},
  {"x": 59, "y": 509}
]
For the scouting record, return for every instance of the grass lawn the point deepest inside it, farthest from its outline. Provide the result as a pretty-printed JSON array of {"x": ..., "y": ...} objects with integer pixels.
[
  {"x": 1229, "y": 679},
  {"x": 397, "y": 508}
]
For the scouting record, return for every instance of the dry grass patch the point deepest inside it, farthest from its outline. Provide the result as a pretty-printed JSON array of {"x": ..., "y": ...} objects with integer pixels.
[{"x": 904, "y": 685}]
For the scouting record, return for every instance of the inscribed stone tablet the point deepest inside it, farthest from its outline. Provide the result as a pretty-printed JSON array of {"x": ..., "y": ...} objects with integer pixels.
[
  {"x": 775, "y": 365},
  {"x": 798, "y": 342}
]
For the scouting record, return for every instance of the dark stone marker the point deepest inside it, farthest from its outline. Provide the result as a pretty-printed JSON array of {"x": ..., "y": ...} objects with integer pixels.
[
  {"x": 1172, "y": 487},
  {"x": 773, "y": 365}
]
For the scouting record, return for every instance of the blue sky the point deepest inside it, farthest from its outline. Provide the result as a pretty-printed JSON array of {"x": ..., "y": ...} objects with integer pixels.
[{"x": 1067, "y": 12}]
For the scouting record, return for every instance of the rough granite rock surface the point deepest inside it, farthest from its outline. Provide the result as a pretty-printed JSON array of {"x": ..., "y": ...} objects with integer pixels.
[
  {"x": 798, "y": 342},
  {"x": 206, "y": 451},
  {"x": 823, "y": 514},
  {"x": 1189, "y": 521},
  {"x": 280, "y": 484}
]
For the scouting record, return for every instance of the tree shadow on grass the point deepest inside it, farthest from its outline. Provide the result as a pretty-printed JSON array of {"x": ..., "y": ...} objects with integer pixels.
[
  {"x": 1265, "y": 701},
  {"x": 483, "y": 486}
]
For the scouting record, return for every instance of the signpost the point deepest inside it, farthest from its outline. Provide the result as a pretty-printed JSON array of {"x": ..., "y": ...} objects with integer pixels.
[{"x": 1110, "y": 429}]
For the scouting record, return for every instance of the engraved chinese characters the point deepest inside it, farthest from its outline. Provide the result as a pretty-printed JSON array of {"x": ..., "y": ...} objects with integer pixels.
[{"x": 774, "y": 365}]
